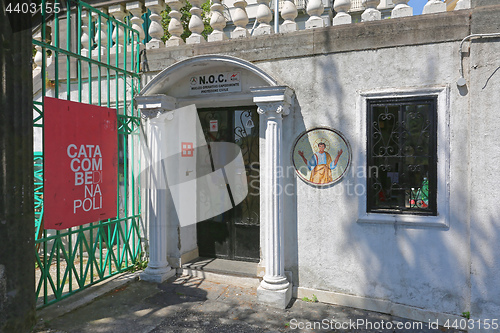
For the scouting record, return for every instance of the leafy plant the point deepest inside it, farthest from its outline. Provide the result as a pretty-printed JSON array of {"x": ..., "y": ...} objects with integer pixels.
[
  {"x": 466, "y": 314},
  {"x": 313, "y": 300},
  {"x": 186, "y": 15},
  {"x": 141, "y": 262}
]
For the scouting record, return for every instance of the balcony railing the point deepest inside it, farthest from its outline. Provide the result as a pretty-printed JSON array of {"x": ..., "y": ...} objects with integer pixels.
[{"x": 289, "y": 9}]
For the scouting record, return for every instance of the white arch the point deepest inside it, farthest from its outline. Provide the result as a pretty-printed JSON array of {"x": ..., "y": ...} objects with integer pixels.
[{"x": 172, "y": 74}]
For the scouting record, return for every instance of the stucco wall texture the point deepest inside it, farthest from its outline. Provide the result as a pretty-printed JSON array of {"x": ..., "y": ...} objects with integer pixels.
[{"x": 449, "y": 269}]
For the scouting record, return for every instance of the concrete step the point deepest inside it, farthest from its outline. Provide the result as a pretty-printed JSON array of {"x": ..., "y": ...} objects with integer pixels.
[{"x": 238, "y": 273}]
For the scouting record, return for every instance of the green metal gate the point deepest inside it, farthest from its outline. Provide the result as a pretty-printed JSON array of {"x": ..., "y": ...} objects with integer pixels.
[{"x": 101, "y": 68}]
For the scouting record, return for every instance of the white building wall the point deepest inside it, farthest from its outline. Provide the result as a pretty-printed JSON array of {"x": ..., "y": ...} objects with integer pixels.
[
  {"x": 424, "y": 267},
  {"x": 484, "y": 92}
]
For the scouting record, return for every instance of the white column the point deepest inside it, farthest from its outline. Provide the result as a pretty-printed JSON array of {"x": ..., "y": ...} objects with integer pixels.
[
  {"x": 155, "y": 28},
  {"x": 240, "y": 20},
  {"x": 371, "y": 12},
  {"x": 401, "y": 9},
  {"x": 175, "y": 26},
  {"x": 137, "y": 9},
  {"x": 315, "y": 8},
  {"x": 217, "y": 22},
  {"x": 155, "y": 108},
  {"x": 463, "y": 4},
  {"x": 342, "y": 7},
  {"x": 289, "y": 13},
  {"x": 264, "y": 17},
  {"x": 119, "y": 13},
  {"x": 273, "y": 104},
  {"x": 196, "y": 25},
  {"x": 434, "y": 6}
]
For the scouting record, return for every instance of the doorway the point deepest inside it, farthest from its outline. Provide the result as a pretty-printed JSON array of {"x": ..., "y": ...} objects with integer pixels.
[{"x": 234, "y": 234}]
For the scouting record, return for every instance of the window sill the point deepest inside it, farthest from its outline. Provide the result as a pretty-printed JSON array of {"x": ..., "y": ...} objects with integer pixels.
[{"x": 405, "y": 220}]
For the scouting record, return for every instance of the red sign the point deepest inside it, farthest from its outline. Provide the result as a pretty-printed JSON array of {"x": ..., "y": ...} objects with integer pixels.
[
  {"x": 80, "y": 163},
  {"x": 187, "y": 149},
  {"x": 214, "y": 126}
]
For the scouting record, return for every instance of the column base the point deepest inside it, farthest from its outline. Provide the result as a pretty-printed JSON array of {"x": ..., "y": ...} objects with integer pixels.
[
  {"x": 342, "y": 18},
  {"x": 275, "y": 298},
  {"x": 174, "y": 41},
  {"x": 315, "y": 22},
  {"x": 195, "y": 39},
  {"x": 463, "y": 4},
  {"x": 240, "y": 33},
  {"x": 217, "y": 36},
  {"x": 434, "y": 7},
  {"x": 401, "y": 11},
  {"x": 263, "y": 29},
  {"x": 371, "y": 14},
  {"x": 155, "y": 44},
  {"x": 113, "y": 49},
  {"x": 157, "y": 274},
  {"x": 290, "y": 26}
]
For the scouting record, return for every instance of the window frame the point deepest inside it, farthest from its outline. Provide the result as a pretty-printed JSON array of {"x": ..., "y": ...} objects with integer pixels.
[
  {"x": 432, "y": 152},
  {"x": 441, "y": 217}
]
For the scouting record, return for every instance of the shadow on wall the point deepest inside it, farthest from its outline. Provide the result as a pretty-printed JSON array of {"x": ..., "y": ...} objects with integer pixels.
[{"x": 423, "y": 267}]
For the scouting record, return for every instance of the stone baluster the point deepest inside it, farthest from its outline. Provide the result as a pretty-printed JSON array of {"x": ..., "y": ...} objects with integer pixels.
[
  {"x": 38, "y": 55},
  {"x": 119, "y": 13},
  {"x": 85, "y": 39},
  {"x": 50, "y": 37},
  {"x": 371, "y": 12},
  {"x": 342, "y": 7},
  {"x": 196, "y": 25},
  {"x": 137, "y": 9},
  {"x": 434, "y": 6},
  {"x": 264, "y": 17},
  {"x": 463, "y": 4},
  {"x": 101, "y": 34},
  {"x": 175, "y": 26},
  {"x": 217, "y": 22},
  {"x": 401, "y": 9},
  {"x": 240, "y": 20},
  {"x": 155, "y": 28},
  {"x": 289, "y": 13},
  {"x": 273, "y": 104},
  {"x": 315, "y": 8}
]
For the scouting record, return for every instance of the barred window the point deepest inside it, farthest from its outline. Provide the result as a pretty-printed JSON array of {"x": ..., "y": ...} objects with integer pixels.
[{"x": 402, "y": 156}]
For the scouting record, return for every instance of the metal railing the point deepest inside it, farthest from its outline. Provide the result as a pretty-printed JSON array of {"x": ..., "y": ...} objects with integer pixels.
[{"x": 72, "y": 259}]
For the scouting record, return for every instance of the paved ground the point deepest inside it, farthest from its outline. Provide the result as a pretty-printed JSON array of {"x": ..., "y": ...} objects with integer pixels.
[{"x": 188, "y": 304}]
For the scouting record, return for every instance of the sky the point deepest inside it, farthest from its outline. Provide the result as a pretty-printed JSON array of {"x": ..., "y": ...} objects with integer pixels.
[{"x": 417, "y": 6}]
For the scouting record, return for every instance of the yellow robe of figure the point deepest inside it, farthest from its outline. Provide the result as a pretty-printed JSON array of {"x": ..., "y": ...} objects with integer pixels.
[
  {"x": 322, "y": 174},
  {"x": 321, "y": 165}
]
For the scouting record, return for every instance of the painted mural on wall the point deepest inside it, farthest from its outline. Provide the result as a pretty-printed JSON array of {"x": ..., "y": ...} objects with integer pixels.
[{"x": 321, "y": 156}]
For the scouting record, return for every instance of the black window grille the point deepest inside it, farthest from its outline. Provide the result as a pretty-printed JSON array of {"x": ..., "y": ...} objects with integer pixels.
[{"x": 402, "y": 156}]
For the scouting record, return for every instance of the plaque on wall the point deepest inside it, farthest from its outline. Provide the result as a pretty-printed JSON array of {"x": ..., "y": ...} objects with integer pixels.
[{"x": 321, "y": 156}]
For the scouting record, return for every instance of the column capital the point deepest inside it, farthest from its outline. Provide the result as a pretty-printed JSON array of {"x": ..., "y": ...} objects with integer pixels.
[
  {"x": 152, "y": 106},
  {"x": 269, "y": 108},
  {"x": 278, "y": 99}
]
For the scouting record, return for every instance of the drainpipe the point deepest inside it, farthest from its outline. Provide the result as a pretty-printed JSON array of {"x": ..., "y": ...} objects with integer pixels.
[
  {"x": 276, "y": 16},
  {"x": 461, "y": 81}
]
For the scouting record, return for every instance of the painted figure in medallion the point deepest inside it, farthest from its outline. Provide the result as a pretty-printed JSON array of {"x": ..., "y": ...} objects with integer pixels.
[{"x": 321, "y": 164}]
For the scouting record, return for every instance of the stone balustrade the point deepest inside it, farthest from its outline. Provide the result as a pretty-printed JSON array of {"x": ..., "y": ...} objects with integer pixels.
[{"x": 228, "y": 23}]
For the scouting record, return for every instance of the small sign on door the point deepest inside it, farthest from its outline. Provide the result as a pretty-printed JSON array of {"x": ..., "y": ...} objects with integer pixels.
[{"x": 214, "y": 126}]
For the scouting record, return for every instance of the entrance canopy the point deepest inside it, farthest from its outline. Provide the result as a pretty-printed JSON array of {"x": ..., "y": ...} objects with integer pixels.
[{"x": 209, "y": 80}]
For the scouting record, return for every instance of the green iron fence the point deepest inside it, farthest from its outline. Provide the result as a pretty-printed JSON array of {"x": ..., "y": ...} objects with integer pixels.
[{"x": 86, "y": 56}]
